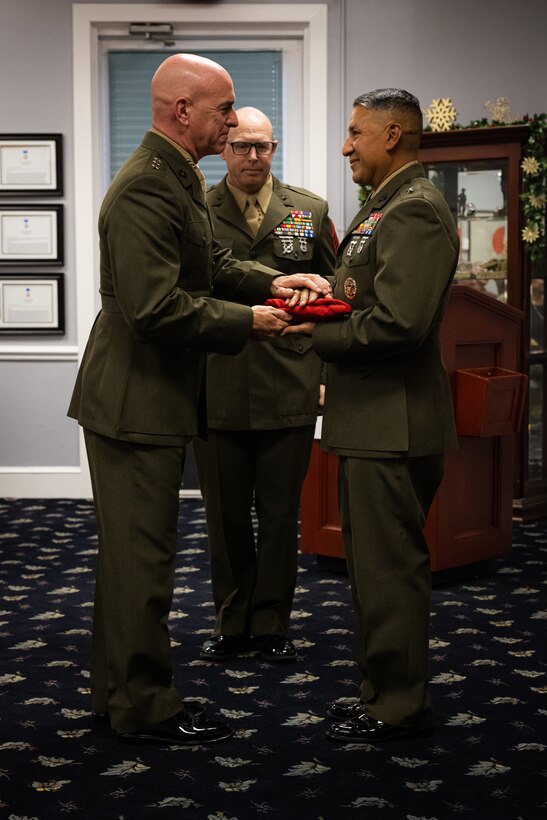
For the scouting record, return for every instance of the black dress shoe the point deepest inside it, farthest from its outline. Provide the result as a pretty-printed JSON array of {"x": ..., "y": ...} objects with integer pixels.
[
  {"x": 346, "y": 708},
  {"x": 223, "y": 647},
  {"x": 193, "y": 706},
  {"x": 275, "y": 648},
  {"x": 365, "y": 729},
  {"x": 184, "y": 729}
]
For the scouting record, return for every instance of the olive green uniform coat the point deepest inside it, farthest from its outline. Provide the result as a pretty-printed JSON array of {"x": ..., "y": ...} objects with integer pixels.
[
  {"x": 262, "y": 406},
  {"x": 389, "y": 416}
]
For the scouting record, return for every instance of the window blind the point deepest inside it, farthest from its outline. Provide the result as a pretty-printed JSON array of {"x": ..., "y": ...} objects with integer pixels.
[{"x": 257, "y": 77}]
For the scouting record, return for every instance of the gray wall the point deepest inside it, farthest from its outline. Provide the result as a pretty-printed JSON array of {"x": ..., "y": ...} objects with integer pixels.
[{"x": 471, "y": 51}]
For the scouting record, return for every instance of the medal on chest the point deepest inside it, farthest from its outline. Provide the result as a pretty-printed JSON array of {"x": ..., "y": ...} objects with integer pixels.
[
  {"x": 362, "y": 233},
  {"x": 297, "y": 227},
  {"x": 350, "y": 288}
]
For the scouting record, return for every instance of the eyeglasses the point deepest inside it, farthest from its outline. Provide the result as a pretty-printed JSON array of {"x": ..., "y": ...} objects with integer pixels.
[{"x": 263, "y": 149}]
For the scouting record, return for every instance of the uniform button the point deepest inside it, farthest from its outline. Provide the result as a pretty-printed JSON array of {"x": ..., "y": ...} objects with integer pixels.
[
  {"x": 301, "y": 347},
  {"x": 252, "y": 254},
  {"x": 182, "y": 173}
]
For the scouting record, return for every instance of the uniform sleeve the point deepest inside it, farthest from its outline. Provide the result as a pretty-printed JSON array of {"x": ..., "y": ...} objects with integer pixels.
[
  {"x": 152, "y": 254},
  {"x": 246, "y": 282}
]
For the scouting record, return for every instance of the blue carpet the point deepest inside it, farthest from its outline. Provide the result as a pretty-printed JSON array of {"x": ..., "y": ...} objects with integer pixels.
[{"x": 486, "y": 761}]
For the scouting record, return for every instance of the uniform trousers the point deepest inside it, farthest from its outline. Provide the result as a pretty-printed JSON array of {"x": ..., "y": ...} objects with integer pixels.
[
  {"x": 383, "y": 507},
  {"x": 253, "y": 580},
  {"x": 136, "y": 494}
]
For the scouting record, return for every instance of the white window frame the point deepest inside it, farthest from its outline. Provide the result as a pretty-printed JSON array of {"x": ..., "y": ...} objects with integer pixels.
[
  {"x": 292, "y": 93},
  {"x": 271, "y": 22}
]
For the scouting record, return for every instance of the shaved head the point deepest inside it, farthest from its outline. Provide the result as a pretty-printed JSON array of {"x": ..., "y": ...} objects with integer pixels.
[
  {"x": 252, "y": 119},
  {"x": 192, "y": 97},
  {"x": 250, "y": 171}
]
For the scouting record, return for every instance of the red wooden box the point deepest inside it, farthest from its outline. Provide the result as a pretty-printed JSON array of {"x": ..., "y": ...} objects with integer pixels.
[{"x": 489, "y": 401}]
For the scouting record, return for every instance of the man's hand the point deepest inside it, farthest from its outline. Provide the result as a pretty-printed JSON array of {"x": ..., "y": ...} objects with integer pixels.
[
  {"x": 300, "y": 288},
  {"x": 268, "y": 322},
  {"x": 306, "y": 328}
]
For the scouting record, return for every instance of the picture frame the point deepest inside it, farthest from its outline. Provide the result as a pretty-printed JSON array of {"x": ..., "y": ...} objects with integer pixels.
[
  {"x": 31, "y": 235},
  {"x": 32, "y": 304},
  {"x": 31, "y": 165}
]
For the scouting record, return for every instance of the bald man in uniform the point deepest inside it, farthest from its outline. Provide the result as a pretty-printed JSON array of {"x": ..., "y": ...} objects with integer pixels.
[
  {"x": 137, "y": 394},
  {"x": 262, "y": 407}
]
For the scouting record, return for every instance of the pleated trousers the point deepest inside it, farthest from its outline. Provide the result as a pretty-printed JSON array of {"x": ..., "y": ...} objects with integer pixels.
[
  {"x": 253, "y": 578},
  {"x": 383, "y": 507},
  {"x": 136, "y": 496}
]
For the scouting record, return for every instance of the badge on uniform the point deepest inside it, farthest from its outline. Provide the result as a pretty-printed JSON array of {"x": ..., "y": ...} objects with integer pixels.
[
  {"x": 367, "y": 227},
  {"x": 350, "y": 288},
  {"x": 297, "y": 226},
  {"x": 362, "y": 232}
]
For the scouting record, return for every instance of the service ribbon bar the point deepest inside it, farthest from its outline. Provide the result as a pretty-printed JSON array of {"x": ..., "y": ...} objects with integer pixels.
[
  {"x": 367, "y": 227},
  {"x": 297, "y": 223}
]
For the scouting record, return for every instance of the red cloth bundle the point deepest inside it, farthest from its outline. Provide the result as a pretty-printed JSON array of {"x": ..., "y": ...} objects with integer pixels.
[{"x": 322, "y": 310}]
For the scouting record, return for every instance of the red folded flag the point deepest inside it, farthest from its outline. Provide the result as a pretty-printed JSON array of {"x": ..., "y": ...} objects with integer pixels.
[{"x": 322, "y": 310}]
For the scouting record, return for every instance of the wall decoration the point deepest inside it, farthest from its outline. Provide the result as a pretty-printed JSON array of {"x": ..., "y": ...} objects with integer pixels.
[
  {"x": 32, "y": 304},
  {"x": 31, "y": 165},
  {"x": 31, "y": 235},
  {"x": 501, "y": 112},
  {"x": 441, "y": 114}
]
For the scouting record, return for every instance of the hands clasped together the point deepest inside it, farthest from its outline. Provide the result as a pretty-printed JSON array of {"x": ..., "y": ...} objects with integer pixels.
[{"x": 297, "y": 289}]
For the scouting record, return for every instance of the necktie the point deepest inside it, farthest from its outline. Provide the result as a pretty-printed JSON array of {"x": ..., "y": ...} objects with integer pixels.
[{"x": 253, "y": 214}]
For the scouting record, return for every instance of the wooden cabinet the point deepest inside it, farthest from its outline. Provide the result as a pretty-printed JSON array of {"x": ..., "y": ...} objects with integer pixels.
[{"x": 479, "y": 172}]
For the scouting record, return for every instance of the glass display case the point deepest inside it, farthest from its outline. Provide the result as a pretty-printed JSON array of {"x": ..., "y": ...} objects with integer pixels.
[{"x": 479, "y": 172}]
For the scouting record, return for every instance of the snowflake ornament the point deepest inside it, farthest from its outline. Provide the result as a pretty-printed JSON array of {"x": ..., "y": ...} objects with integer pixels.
[{"x": 441, "y": 114}]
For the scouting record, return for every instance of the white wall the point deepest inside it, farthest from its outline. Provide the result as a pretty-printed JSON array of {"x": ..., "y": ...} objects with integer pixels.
[{"x": 471, "y": 51}]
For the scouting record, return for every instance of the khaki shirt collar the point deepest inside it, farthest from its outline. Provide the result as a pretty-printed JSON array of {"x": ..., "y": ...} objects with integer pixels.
[
  {"x": 385, "y": 181},
  {"x": 263, "y": 196}
]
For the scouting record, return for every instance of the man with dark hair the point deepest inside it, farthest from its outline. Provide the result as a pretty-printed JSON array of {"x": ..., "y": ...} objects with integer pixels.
[{"x": 388, "y": 411}]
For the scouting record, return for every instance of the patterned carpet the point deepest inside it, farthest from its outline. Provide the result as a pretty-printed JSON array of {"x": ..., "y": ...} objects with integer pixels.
[{"x": 486, "y": 761}]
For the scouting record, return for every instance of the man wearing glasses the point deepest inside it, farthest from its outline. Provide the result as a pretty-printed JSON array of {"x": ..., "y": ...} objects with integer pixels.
[{"x": 262, "y": 406}]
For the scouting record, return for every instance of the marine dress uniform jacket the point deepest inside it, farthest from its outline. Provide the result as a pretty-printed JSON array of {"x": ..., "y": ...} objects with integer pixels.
[
  {"x": 387, "y": 390},
  {"x": 273, "y": 384},
  {"x": 262, "y": 406},
  {"x": 389, "y": 416},
  {"x": 142, "y": 368}
]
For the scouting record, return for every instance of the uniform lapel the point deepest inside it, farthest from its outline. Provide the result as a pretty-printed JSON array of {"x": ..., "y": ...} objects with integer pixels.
[
  {"x": 278, "y": 210},
  {"x": 380, "y": 199},
  {"x": 226, "y": 208}
]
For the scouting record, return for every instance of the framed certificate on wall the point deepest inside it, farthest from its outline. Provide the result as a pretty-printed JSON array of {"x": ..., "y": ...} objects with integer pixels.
[
  {"x": 32, "y": 304},
  {"x": 31, "y": 235},
  {"x": 31, "y": 165}
]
